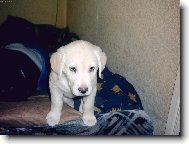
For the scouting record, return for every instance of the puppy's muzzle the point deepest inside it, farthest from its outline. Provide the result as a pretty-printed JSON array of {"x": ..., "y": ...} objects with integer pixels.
[{"x": 82, "y": 90}]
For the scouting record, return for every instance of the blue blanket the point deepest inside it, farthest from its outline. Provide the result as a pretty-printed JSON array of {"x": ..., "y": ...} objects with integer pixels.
[{"x": 114, "y": 93}]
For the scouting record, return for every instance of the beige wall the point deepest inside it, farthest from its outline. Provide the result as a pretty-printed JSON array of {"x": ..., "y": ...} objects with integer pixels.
[
  {"x": 142, "y": 41},
  {"x": 36, "y": 11}
]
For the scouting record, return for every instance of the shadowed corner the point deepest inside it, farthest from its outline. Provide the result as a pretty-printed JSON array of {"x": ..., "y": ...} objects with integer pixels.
[{"x": 182, "y": 65}]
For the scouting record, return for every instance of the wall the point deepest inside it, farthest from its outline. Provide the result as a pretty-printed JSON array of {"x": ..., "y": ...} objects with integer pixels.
[
  {"x": 36, "y": 11},
  {"x": 142, "y": 41}
]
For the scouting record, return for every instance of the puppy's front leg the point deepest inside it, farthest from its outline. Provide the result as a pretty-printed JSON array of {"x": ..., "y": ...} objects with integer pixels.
[
  {"x": 69, "y": 101},
  {"x": 88, "y": 110},
  {"x": 53, "y": 117},
  {"x": 81, "y": 106}
]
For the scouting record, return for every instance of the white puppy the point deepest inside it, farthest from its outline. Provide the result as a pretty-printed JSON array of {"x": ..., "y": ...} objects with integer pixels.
[{"x": 74, "y": 73}]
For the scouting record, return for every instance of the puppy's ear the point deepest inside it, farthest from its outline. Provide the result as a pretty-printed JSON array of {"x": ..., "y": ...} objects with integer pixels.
[
  {"x": 102, "y": 58},
  {"x": 56, "y": 61}
]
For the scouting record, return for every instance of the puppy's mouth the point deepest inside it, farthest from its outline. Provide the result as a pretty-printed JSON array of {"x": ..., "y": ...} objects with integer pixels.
[{"x": 80, "y": 93}]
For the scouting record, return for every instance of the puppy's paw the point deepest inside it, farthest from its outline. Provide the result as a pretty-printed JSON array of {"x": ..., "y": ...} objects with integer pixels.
[
  {"x": 53, "y": 118},
  {"x": 89, "y": 120}
]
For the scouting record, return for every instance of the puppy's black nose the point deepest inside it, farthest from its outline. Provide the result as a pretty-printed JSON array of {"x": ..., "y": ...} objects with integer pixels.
[{"x": 83, "y": 90}]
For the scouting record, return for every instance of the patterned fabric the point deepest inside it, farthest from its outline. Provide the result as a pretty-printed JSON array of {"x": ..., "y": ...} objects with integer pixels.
[
  {"x": 129, "y": 122},
  {"x": 114, "y": 93}
]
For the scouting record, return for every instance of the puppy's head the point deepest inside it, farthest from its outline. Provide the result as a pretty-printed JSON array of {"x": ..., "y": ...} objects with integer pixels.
[{"x": 79, "y": 62}]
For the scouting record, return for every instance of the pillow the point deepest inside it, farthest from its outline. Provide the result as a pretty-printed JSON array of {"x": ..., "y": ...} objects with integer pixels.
[
  {"x": 31, "y": 112},
  {"x": 48, "y": 37},
  {"x": 17, "y": 30}
]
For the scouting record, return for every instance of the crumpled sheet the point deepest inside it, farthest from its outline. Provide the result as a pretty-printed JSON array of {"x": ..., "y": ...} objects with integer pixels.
[{"x": 128, "y": 122}]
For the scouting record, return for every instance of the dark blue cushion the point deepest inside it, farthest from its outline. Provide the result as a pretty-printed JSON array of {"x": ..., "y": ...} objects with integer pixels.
[{"x": 114, "y": 93}]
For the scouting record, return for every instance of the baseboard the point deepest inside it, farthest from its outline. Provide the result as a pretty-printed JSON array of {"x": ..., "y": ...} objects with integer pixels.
[{"x": 173, "y": 122}]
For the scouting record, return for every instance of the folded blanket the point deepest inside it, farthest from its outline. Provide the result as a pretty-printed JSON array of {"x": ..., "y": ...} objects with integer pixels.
[{"x": 39, "y": 57}]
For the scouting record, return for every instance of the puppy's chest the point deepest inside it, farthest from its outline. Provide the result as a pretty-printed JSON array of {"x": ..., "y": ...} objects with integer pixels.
[{"x": 63, "y": 85}]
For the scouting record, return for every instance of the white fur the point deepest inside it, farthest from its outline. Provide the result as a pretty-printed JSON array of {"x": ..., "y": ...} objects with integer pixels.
[{"x": 64, "y": 83}]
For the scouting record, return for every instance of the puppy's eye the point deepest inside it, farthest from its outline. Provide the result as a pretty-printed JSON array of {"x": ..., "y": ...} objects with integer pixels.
[
  {"x": 73, "y": 69},
  {"x": 91, "y": 69}
]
